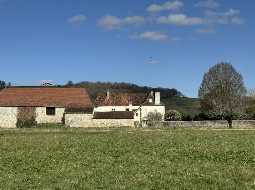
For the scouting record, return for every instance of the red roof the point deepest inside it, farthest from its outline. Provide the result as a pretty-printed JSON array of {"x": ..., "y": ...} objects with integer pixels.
[
  {"x": 45, "y": 97},
  {"x": 121, "y": 99}
]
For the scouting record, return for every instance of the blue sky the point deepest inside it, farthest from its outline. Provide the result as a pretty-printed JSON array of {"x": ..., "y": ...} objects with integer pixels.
[{"x": 147, "y": 42}]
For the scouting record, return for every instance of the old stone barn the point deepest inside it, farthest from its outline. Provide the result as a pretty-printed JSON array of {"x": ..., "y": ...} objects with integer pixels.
[{"x": 41, "y": 104}]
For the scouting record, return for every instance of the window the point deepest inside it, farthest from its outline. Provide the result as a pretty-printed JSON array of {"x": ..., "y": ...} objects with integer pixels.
[
  {"x": 127, "y": 109},
  {"x": 113, "y": 109},
  {"x": 137, "y": 114},
  {"x": 50, "y": 111}
]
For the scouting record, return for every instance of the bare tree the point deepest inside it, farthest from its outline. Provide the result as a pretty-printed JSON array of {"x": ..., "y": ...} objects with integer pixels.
[{"x": 222, "y": 92}]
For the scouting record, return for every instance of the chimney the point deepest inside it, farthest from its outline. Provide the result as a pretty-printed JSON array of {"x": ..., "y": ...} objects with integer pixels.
[
  {"x": 157, "y": 98},
  {"x": 151, "y": 97},
  {"x": 130, "y": 107},
  {"x": 108, "y": 94}
]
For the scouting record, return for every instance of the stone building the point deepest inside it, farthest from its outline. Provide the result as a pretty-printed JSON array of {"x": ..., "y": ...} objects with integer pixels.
[
  {"x": 44, "y": 104},
  {"x": 112, "y": 105}
]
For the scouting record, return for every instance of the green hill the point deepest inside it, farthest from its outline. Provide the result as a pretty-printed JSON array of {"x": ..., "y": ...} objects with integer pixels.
[{"x": 190, "y": 106}]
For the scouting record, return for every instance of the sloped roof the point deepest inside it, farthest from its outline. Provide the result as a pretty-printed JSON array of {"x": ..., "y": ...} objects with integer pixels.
[
  {"x": 45, "y": 97},
  {"x": 121, "y": 99},
  {"x": 114, "y": 115}
]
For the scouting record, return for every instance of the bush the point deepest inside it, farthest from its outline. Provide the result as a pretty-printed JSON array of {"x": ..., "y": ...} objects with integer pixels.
[
  {"x": 26, "y": 123},
  {"x": 154, "y": 117},
  {"x": 187, "y": 117},
  {"x": 173, "y": 115},
  {"x": 207, "y": 117},
  {"x": 243, "y": 116}
]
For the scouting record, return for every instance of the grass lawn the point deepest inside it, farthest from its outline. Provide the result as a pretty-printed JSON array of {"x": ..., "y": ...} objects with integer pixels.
[{"x": 127, "y": 159}]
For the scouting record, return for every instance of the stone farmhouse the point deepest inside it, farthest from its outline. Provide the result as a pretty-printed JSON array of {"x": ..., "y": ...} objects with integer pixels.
[
  {"x": 74, "y": 107},
  {"x": 45, "y": 104}
]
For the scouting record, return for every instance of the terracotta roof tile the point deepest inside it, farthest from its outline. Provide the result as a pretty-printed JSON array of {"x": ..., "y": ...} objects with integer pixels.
[
  {"x": 121, "y": 99},
  {"x": 45, "y": 97}
]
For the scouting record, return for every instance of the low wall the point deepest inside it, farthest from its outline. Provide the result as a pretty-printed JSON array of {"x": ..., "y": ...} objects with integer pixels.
[
  {"x": 87, "y": 121},
  {"x": 242, "y": 124}
]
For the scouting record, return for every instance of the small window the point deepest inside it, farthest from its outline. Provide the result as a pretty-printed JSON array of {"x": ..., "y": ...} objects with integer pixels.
[
  {"x": 50, "y": 111},
  {"x": 127, "y": 109},
  {"x": 137, "y": 114},
  {"x": 113, "y": 109}
]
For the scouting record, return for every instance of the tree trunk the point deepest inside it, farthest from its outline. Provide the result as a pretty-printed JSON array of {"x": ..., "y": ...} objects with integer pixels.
[{"x": 230, "y": 123}]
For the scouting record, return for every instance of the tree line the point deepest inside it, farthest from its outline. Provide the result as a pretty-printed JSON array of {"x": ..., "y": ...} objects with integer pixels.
[{"x": 95, "y": 88}]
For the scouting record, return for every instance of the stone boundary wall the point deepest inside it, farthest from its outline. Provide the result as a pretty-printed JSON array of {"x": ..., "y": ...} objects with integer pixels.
[
  {"x": 238, "y": 124},
  {"x": 87, "y": 121}
]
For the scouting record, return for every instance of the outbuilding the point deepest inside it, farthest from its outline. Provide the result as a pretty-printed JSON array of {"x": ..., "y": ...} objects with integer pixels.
[{"x": 43, "y": 104}]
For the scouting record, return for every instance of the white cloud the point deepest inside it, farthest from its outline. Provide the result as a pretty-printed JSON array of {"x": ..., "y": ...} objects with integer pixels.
[
  {"x": 151, "y": 36},
  {"x": 232, "y": 16},
  {"x": 209, "y": 4},
  {"x": 167, "y": 6},
  {"x": 77, "y": 19},
  {"x": 152, "y": 62},
  {"x": 112, "y": 22},
  {"x": 180, "y": 20},
  {"x": 206, "y": 31}
]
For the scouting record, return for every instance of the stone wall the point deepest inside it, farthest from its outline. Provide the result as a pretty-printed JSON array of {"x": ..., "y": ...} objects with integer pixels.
[
  {"x": 87, "y": 121},
  {"x": 205, "y": 124},
  {"x": 8, "y": 117},
  {"x": 42, "y": 117}
]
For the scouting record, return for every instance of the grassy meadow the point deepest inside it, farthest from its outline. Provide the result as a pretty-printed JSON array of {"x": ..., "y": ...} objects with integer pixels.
[{"x": 127, "y": 159}]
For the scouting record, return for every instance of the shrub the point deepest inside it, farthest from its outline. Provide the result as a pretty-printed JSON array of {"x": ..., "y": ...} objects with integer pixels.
[
  {"x": 28, "y": 123},
  {"x": 154, "y": 117},
  {"x": 173, "y": 115},
  {"x": 26, "y": 117},
  {"x": 187, "y": 117},
  {"x": 207, "y": 116},
  {"x": 243, "y": 116}
]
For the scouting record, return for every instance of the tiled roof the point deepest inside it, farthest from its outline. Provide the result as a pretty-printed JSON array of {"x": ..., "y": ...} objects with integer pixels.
[
  {"x": 114, "y": 115},
  {"x": 45, "y": 97},
  {"x": 121, "y": 99}
]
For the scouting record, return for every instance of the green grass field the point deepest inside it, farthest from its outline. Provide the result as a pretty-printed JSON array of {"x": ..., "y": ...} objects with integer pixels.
[{"x": 127, "y": 159}]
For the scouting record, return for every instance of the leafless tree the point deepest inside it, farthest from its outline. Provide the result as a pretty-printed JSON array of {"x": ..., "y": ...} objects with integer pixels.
[{"x": 222, "y": 92}]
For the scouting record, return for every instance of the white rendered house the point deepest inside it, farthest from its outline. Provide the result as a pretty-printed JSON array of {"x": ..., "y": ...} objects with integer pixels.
[{"x": 140, "y": 104}]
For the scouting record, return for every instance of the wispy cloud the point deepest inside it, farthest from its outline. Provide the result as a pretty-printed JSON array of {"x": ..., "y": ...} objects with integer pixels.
[
  {"x": 167, "y": 6},
  {"x": 180, "y": 20},
  {"x": 113, "y": 22},
  {"x": 208, "y": 4},
  {"x": 206, "y": 31},
  {"x": 232, "y": 16},
  {"x": 151, "y": 36},
  {"x": 77, "y": 19},
  {"x": 152, "y": 61}
]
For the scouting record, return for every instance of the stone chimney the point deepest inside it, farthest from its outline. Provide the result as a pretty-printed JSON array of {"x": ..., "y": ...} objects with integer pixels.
[
  {"x": 151, "y": 97},
  {"x": 130, "y": 107},
  {"x": 157, "y": 98}
]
